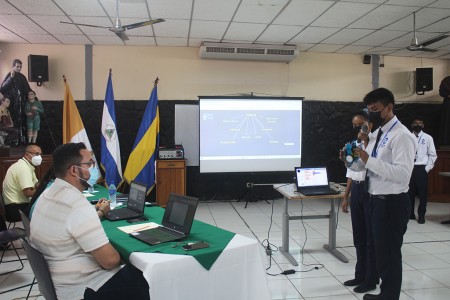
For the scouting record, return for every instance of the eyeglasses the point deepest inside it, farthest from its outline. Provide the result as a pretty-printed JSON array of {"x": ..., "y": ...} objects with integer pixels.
[
  {"x": 89, "y": 163},
  {"x": 34, "y": 153}
]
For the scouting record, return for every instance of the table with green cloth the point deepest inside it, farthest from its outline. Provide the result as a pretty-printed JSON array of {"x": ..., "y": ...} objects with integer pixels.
[
  {"x": 100, "y": 191},
  {"x": 231, "y": 268},
  {"x": 125, "y": 244}
]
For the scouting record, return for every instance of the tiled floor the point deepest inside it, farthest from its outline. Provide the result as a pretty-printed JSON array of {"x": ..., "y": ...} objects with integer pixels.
[{"x": 426, "y": 251}]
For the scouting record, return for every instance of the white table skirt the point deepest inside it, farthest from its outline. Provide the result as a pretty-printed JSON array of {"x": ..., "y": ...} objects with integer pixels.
[{"x": 238, "y": 273}]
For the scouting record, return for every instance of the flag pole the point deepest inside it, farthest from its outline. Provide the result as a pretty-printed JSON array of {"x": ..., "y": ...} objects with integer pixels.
[{"x": 156, "y": 81}]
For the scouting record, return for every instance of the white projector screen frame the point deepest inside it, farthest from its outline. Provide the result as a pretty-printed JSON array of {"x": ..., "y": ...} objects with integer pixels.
[{"x": 250, "y": 134}]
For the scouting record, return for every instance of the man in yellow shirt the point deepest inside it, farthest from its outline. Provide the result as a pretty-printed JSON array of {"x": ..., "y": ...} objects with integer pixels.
[{"x": 20, "y": 182}]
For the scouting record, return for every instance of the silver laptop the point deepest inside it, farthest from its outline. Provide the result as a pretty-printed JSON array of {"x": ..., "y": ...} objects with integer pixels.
[
  {"x": 313, "y": 181},
  {"x": 176, "y": 222},
  {"x": 135, "y": 204}
]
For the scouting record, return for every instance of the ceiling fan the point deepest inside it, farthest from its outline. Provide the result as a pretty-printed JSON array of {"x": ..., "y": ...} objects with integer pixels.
[
  {"x": 416, "y": 46},
  {"x": 118, "y": 28}
]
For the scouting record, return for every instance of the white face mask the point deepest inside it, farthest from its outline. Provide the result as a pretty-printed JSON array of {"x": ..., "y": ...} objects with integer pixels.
[{"x": 36, "y": 160}]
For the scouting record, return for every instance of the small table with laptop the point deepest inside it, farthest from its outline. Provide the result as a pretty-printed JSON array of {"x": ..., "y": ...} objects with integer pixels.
[
  {"x": 224, "y": 265},
  {"x": 311, "y": 183}
]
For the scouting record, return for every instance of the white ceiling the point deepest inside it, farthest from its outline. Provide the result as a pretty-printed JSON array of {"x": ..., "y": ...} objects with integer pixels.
[{"x": 341, "y": 26}]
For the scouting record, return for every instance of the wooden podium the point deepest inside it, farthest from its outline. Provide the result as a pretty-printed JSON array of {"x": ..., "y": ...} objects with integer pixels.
[
  {"x": 10, "y": 155},
  {"x": 170, "y": 178},
  {"x": 439, "y": 186}
]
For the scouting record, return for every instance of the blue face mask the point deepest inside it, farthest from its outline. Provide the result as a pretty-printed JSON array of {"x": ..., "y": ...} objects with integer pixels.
[{"x": 93, "y": 172}]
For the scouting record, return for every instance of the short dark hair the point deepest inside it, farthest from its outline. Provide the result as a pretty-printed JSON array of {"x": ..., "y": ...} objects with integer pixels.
[
  {"x": 418, "y": 118},
  {"x": 363, "y": 113},
  {"x": 17, "y": 61},
  {"x": 66, "y": 155},
  {"x": 381, "y": 95}
]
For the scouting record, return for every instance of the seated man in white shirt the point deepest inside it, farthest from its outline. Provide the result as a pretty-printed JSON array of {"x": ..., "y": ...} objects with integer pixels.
[{"x": 67, "y": 230}]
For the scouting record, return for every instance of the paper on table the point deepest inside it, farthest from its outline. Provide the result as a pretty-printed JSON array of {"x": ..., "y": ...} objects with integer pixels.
[
  {"x": 88, "y": 194},
  {"x": 138, "y": 227}
]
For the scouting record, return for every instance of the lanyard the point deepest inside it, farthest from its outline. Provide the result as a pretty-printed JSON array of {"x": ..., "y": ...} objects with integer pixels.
[{"x": 375, "y": 153}]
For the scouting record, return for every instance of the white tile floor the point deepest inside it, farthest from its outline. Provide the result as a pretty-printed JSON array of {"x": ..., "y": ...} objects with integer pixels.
[{"x": 426, "y": 251}]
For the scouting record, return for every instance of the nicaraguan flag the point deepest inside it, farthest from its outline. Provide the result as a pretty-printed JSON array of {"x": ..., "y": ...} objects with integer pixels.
[
  {"x": 110, "y": 147},
  {"x": 73, "y": 127},
  {"x": 141, "y": 163}
]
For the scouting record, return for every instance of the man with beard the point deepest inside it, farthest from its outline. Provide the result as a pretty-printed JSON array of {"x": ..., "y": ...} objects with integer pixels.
[
  {"x": 67, "y": 230},
  {"x": 15, "y": 86},
  {"x": 423, "y": 163}
]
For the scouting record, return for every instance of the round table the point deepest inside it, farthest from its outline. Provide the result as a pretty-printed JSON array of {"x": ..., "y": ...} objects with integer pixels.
[{"x": 447, "y": 174}]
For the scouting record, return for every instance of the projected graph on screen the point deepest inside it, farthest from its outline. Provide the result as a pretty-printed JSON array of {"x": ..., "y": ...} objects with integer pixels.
[{"x": 250, "y": 134}]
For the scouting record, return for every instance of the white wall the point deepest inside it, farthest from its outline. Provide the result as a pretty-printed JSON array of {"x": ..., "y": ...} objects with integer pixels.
[{"x": 184, "y": 76}]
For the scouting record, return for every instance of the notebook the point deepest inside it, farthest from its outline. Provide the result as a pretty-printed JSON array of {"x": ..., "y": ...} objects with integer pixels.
[
  {"x": 135, "y": 204},
  {"x": 313, "y": 181},
  {"x": 176, "y": 222}
]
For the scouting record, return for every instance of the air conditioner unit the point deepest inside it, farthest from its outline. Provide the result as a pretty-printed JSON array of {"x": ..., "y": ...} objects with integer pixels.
[{"x": 228, "y": 51}]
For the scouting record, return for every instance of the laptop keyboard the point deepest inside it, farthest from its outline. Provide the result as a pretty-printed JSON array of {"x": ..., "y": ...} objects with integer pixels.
[
  {"x": 121, "y": 213},
  {"x": 318, "y": 191}
]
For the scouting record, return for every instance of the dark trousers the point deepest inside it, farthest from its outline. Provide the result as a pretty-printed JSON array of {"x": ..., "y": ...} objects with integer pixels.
[
  {"x": 365, "y": 269},
  {"x": 418, "y": 184},
  {"x": 128, "y": 283},
  {"x": 390, "y": 215},
  {"x": 12, "y": 211}
]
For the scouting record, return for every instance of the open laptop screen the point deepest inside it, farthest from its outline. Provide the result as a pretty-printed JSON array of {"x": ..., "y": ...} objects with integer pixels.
[
  {"x": 180, "y": 212},
  {"x": 136, "y": 199},
  {"x": 311, "y": 177}
]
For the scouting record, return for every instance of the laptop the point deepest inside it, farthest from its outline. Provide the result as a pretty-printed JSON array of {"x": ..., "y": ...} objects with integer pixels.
[
  {"x": 313, "y": 181},
  {"x": 135, "y": 204},
  {"x": 176, "y": 222}
]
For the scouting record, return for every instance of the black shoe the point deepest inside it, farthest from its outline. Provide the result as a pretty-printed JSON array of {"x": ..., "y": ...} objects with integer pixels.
[
  {"x": 363, "y": 288},
  {"x": 352, "y": 282},
  {"x": 370, "y": 297},
  {"x": 412, "y": 217},
  {"x": 421, "y": 220}
]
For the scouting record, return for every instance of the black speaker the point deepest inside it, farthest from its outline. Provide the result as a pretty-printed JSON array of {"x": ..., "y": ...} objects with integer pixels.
[
  {"x": 37, "y": 68},
  {"x": 424, "y": 80},
  {"x": 367, "y": 59}
]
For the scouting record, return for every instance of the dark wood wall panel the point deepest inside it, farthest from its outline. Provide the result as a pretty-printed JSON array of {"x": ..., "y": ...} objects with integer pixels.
[{"x": 326, "y": 128}]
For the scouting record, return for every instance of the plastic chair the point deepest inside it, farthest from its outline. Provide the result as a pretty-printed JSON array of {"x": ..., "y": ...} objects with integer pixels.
[
  {"x": 25, "y": 222},
  {"x": 7, "y": 237},
  {"x": 41, "y": 271}
]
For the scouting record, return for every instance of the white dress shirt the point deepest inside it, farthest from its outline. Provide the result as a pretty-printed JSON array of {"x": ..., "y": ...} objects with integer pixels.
[
  {"x": 390, "y": 168},
  {"x": 426, "y": 152}
]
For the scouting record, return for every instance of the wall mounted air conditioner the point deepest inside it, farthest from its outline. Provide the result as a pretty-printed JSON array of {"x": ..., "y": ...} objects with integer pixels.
[{"x": 228, "y": 51}]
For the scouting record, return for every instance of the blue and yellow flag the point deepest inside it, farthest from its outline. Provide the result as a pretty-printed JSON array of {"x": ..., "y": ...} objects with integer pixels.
[{"x": 141, "y": 163}]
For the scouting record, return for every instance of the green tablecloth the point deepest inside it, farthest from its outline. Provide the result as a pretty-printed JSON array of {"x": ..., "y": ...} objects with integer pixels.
[
  {"x": 217, "y": 239},
  {"x": 100, "y": 192}
]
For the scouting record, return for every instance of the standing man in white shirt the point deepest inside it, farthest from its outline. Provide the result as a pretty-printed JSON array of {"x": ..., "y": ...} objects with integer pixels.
[
  {"x": 389, "y": 160},
  {"x": 366, "y": 276},
  {"x": 423, "y": 163}
]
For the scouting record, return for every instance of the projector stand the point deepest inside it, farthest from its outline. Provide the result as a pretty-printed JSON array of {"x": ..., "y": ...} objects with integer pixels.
[{"x": 247, "y": 194}]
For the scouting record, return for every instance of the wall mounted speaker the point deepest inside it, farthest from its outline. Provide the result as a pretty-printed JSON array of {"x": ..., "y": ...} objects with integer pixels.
[
  {"x": 424, "y": 80},
  {"x": 367, "y": 59},
  {"x": 37, "y": 68}
]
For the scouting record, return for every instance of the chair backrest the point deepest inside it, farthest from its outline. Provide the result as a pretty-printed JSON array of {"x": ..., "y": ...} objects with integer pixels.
[
  {"x": 26, "y": 222},
  {"x": 40, "y": 270},
  {"x": 2, "y": 207}
]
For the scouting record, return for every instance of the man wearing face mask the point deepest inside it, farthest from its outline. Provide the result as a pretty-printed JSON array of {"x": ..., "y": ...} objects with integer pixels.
[
  {"x": 423, "y": 163},
  {"x": 366, "y": 277},
  {"x": 66, "y": 229},
  {"x": 20, "y": 182},
  {"x": 389, "y": 160}
]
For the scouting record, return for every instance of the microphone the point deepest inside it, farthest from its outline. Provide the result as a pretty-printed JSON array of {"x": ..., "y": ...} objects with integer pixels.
[{"x": 364, "y": 129}]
